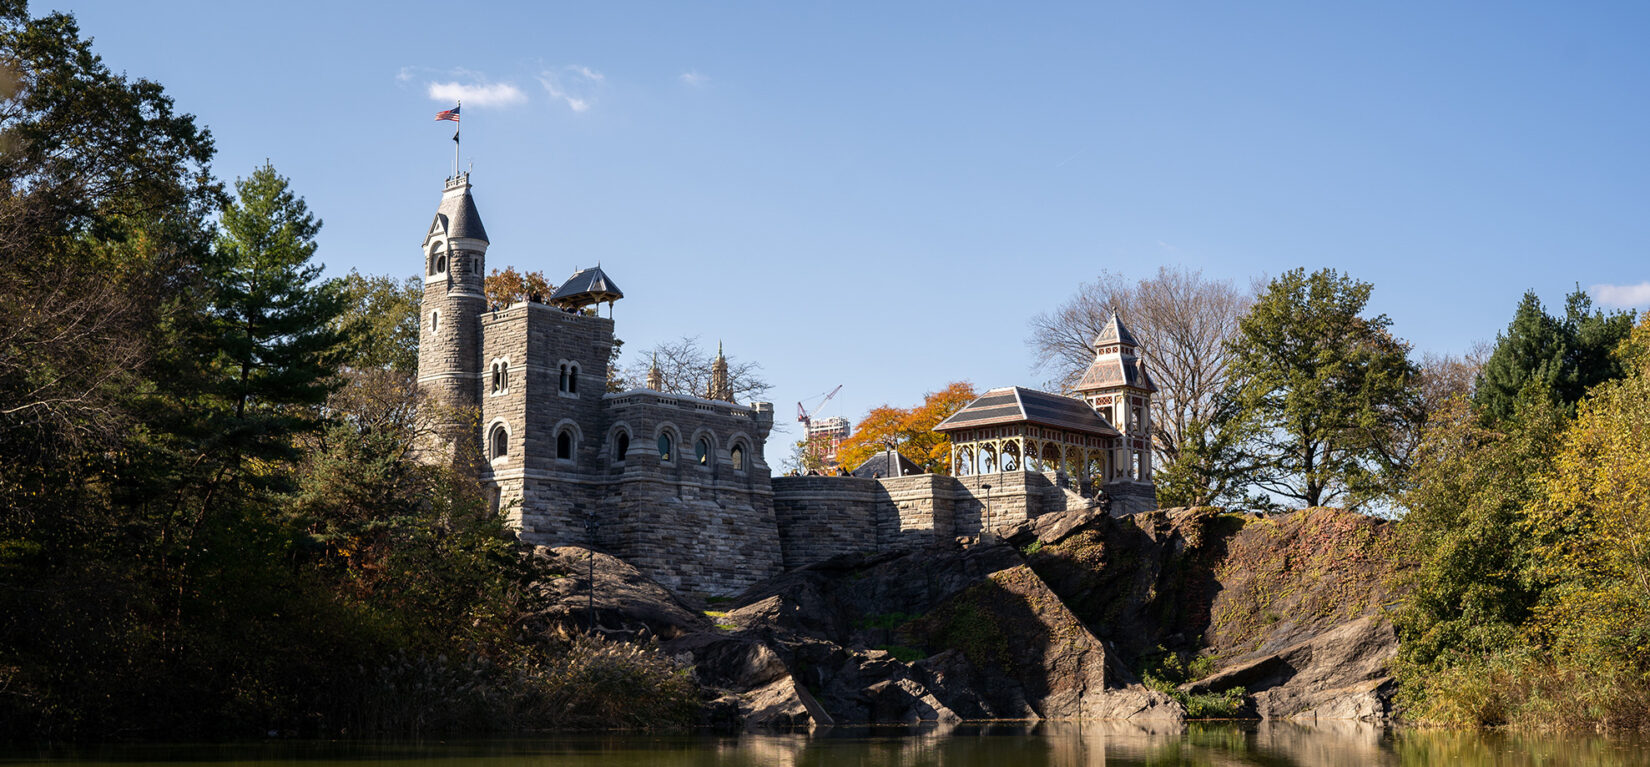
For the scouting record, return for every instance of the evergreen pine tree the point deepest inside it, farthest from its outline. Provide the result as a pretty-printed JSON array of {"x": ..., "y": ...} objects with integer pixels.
[
  {"x": 272, "y": 319},
  {"x": 1564, "y": 357}
]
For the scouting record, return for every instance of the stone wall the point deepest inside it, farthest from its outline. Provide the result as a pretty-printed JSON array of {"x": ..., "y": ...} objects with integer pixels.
[
  {"x": 822, "y": 517},
  {"x": 914, "y": 511}
]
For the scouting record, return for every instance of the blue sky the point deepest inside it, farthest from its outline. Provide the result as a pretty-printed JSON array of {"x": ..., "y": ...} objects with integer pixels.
[{"x": 881, "y": 195}]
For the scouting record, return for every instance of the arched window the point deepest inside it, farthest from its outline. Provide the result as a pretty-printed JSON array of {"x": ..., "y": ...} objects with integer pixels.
[
  {"x": 701, "y": 451},
  {"x": 504, "y": 376},
  {"x": 666, "y": 447},
  {"x": 564, "y": 445},
  {"x": 573, "y": 379},
  {"x": 498, "y": 442},
  {"x": 737, "y": 456},
  {"x": 440, "y": 264},
  {"x": 562, "y": 384},
  {"x": 621, "y": 446},
  {"x": 435, "y": 321}
]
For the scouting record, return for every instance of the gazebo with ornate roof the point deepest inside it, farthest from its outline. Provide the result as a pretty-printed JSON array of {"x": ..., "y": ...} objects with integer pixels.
[{"x": 1015, "y": 428}]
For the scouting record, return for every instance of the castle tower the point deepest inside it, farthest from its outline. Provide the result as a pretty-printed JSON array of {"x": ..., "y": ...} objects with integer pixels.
[
  {"x": 455, "y": 250},
  {"x": 720, "y": 387},
  {"x": 1117, "y": 385}
]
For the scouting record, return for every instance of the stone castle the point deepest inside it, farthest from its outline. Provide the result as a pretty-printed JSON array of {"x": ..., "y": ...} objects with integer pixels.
[{"x": 679, "y": 485}]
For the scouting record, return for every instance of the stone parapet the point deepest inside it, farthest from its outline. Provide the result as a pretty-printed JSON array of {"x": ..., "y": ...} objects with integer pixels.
[{"x": 822, "y": 517}]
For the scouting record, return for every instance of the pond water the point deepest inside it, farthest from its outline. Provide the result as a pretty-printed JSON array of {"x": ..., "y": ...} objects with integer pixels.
[{"x": 1049, "y": 743}]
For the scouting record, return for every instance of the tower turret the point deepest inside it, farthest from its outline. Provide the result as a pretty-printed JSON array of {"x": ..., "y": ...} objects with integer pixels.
[
  {"x": 1116, "y": 384},
  {"x": 455, "y": 250}
]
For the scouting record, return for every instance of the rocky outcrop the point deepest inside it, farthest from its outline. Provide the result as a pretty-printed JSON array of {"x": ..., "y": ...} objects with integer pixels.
[
  {"x": 1288, "y": 606},
  {"x": 933, "y": 635},
  {"x": 1052, "y": 622},
  {"x": 626, "y": 603},
  {"x": 1339, "y": 674}
]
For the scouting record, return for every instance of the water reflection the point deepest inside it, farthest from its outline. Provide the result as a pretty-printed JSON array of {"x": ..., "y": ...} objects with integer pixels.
[{"x": 1094, "y": 744}]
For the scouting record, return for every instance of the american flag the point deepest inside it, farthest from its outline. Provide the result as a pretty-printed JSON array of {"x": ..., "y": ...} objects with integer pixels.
[{"x": 448, "y": 114}]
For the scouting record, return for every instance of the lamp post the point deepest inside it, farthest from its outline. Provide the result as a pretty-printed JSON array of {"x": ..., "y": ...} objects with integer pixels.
[
  {"x": 985, "y": 526},
  {"x": 590, "y": 525}
]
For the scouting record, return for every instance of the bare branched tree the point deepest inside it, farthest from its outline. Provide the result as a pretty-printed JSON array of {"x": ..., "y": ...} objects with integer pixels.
[
  {"x": 684, "y": 368},
  {"x": 1182, "y": 322}
]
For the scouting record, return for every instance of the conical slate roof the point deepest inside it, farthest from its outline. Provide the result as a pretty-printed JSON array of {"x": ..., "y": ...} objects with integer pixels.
[
  {"x": 585, "y": 287},
  {"x": 457, "y": 215},
  {"x": 1113, "y": 332}
]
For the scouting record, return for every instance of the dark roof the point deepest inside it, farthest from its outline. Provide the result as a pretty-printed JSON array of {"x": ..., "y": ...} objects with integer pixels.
[
  {"x": 1017, "y": 404},
  {"x": 887, "y": 464},
  {"x": 1109, "y": 370},
  {"x": 587, "y": 286},
  {"x": 457, "y": 216},
  {"x": 1113, "y": 332}
]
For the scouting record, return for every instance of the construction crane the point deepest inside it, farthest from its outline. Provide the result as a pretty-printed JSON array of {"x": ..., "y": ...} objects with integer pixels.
[
  {"x": 806, "y": 417},
  {"x": 813, "y": 447}
]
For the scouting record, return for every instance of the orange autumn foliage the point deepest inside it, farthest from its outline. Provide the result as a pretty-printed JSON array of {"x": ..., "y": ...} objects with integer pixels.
[{"x": 911, "y": 430}]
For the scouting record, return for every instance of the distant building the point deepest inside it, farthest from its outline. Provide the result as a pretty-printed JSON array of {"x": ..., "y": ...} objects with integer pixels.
[{"x": 825, "y": 437}]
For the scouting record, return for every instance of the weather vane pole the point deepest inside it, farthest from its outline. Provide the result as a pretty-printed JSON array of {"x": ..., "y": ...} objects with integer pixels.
[{"x": 452, "y": 114}]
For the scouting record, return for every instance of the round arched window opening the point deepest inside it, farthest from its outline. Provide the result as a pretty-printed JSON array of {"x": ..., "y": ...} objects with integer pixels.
[
  {"x": 622, "y": 446},
  {"x": 499, "y": 442},
  {"x": 737, "y": 457},
  {"x": 564, "y": 445},
  {"x": 665, "y": 447},
  {"x": 701, "y": 451},
  {"x": 435, "y": 321},
  {"x": 440, "y": 264}
]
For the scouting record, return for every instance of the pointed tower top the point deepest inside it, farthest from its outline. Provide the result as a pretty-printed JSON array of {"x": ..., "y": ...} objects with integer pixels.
[
  {"x": 457, "y": 215},
  {"x": 721, "y": 387},
  {"x": 655, "y": 378},
  {"x": 1113, "y": 332}
]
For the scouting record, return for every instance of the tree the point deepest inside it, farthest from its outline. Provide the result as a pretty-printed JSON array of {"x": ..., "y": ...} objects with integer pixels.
[
  {"x": 1473, "y": 585},
  {"x": 1567, "y": 355},
  {"x": 1214, "y": 465},
  {"x": 1593, "y": 536},
  {"x": 909, "y": 430},
  {"x": 107, "y": 190},
  {"x": 507, "y": 287},
  {"x": 1324, "y": 388},
  {"x": 273, "y": 319},
  {"x": 1183, "y": 323},
  {"x": 685, "y": 367},
  {"x": 380, "y": 318}
]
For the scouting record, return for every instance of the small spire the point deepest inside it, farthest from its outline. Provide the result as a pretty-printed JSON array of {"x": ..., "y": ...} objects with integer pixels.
[
  {"x": 720, "y": 386},
  {"x": 655, "y": 378}
]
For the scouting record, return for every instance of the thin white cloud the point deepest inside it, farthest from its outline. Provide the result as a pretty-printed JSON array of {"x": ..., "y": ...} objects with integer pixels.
[
  {"x": 1623, "y": 296},
  {"x": 572, "y": 85},
  {"x": 405, "y": 74},
  {"x": 478, "y": 94},
  {"x": 693, "y": 78}
]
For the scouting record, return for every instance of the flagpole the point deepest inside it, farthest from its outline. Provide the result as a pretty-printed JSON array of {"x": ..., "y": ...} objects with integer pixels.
[{"x": 458, "y": 129}]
